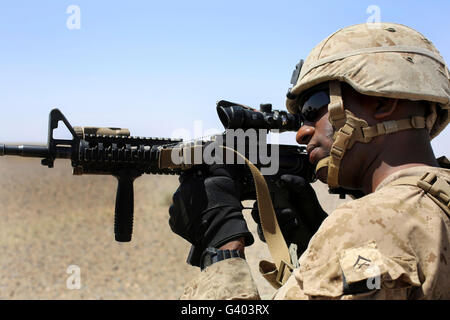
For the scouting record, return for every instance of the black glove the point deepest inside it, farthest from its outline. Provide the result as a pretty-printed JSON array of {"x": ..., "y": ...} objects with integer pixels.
[
  {"x": 299, "y": 217},
  {"x": 207, "y": 210}
]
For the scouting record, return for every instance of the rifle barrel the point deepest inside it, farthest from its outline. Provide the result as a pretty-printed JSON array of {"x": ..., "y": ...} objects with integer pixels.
[{"x": 34, "y": 151}]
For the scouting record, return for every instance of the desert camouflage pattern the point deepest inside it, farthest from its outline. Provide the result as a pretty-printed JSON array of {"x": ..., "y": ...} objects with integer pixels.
[
  {"x": 385, "y": 60},
  {"x": 226, "y": 280},
  {"x": 391, "y": 244}
]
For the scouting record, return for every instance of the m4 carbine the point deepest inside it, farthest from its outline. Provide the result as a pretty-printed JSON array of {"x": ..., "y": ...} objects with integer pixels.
[{"x": 112, "y": 151}]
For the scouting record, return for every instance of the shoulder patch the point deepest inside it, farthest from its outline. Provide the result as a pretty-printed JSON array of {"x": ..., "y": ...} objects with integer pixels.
[
  {"x": 365, "y": 268},
  {"x": 361, "y": 263}
]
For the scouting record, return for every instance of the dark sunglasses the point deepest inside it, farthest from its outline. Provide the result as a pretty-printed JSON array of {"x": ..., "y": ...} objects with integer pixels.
[{"x": 312, "y": 101}]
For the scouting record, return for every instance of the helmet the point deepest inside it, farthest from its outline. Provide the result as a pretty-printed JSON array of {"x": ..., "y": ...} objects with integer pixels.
[{"x": 386, "y": 60}]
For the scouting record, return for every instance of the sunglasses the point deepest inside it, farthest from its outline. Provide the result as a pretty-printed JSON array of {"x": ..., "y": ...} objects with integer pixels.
[{"x": 312, "y": 101}]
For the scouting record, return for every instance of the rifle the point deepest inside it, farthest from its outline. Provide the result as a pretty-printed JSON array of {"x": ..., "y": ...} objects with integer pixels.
[{"x": 112, "y": 151}]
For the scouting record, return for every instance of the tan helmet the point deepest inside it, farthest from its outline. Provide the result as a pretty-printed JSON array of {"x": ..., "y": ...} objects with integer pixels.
[{"x": 384, "y": 60}]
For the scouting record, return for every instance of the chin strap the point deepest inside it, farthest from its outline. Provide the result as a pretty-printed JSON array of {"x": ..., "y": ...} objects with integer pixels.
[{"x": 350, "y": 129}]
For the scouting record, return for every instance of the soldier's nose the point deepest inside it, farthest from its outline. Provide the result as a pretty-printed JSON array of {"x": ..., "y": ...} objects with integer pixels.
[{"x": 304, "y": 134}]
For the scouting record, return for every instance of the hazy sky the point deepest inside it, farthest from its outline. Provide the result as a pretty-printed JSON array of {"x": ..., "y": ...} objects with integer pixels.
[{"x": 156, "y": 67}]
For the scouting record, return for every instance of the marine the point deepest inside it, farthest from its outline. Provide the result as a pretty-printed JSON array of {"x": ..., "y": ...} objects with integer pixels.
[{"x": 371, "y": 100}]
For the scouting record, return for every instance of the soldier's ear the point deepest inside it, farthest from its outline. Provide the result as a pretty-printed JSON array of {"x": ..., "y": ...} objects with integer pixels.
[{"x": 385, "y": 107}]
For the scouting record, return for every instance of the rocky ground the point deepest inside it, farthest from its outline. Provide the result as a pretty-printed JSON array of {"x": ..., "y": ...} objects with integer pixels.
[{"x": 51, "y": 221}]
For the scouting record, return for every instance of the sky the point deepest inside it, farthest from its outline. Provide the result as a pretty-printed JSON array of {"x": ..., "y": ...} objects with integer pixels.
[{"x": 158, "y": 67}]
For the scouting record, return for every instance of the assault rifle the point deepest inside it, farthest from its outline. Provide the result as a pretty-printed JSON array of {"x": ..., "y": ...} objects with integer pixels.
[{"x": 112, "y": 151}]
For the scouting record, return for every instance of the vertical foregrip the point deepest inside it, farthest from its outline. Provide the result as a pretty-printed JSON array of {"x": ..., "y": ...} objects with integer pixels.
[{"x": 123, "y": 219}]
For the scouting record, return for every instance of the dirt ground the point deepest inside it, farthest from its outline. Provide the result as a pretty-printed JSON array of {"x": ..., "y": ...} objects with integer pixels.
[{"x": 51, "y": 221}]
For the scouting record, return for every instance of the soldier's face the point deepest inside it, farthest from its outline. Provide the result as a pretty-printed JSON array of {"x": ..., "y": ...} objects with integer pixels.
[
  {"x": 317, "y": 133},
  {"x": 318, "y": 136}
]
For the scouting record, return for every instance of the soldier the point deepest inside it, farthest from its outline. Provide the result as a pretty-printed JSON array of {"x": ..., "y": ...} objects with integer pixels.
[{"x": 372, "y": 99}]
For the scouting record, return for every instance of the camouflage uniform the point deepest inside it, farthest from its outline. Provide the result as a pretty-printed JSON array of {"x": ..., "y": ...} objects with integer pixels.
[{"x": 396, "y": 239}]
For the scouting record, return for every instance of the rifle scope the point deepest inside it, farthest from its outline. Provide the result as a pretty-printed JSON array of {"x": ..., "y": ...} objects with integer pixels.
[{"x": 238, "y": 116}]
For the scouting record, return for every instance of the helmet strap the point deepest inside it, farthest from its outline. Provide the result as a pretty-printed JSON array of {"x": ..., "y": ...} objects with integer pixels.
[{"x": 350, "y": 129}]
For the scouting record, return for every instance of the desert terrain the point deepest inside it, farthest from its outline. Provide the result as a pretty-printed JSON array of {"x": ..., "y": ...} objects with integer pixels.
[{"x": 51, "y": 221}]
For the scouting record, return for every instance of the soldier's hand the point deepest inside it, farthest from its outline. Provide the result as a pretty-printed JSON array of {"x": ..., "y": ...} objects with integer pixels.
[
  {"x": 301, "y": 219},
  {"x": 207, "y": 210}
]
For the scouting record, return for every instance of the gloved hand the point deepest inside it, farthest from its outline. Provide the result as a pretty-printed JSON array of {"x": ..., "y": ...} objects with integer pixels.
[
  {"x": 207, "y": 210},
  {"x": 303, "y": 216}
]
